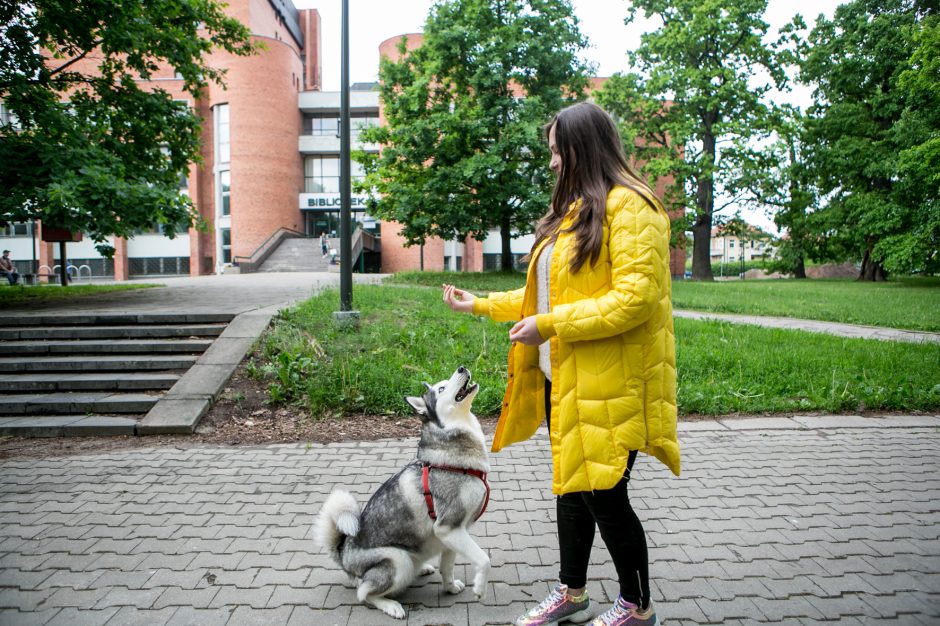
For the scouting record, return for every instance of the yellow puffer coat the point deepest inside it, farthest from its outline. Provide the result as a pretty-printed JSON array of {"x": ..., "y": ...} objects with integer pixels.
[{"x": 612, "y": 351}]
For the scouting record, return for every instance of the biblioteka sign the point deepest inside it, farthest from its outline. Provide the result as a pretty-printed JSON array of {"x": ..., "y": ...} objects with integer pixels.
[{"x": 330, "y": 201}]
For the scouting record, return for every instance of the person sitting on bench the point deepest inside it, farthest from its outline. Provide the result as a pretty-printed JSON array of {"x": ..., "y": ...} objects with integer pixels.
[{"x": 8, "y": 269}]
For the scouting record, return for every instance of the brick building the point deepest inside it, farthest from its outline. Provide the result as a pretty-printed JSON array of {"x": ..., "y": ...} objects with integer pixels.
[{"x": 269, "y": 170}]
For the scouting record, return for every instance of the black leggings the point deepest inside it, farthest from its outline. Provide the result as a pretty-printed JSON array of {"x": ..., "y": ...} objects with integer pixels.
[{"x": 621, "y": 530}]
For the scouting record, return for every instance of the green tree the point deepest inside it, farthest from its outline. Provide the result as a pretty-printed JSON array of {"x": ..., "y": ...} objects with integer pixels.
[
  {"x": 694, "y": 107},
  {"x": 782, "y": 184},
  {"x": 871, "y": 135},
  {"x": 462, "y": 151},
  {"x": 85, "y": 147},
  {"x": 918, "y": 248}
]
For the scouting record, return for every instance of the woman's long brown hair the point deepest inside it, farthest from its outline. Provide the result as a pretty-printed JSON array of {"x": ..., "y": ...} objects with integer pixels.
[{"x": 592, "y": 163}]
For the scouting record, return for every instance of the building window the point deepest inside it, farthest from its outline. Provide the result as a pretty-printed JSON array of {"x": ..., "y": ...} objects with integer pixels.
[
  {"x": 8, "y": 118},
  {"x": 328, "y": 125},
  {"x": 17, "y": 229},
  {"x": 226, "y": 235},
  {"x": 360, "y": 123},
  {"x": 225, "y": 192},
  {"x": 223, "y": 153},
  {"x": 322, "y": 125},
  {"x": 321, "y": 174},
  {"x": 731, "y": 244}
]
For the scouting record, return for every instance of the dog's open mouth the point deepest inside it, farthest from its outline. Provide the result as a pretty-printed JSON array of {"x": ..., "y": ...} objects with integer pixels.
[{"x": 465, "y": 390}]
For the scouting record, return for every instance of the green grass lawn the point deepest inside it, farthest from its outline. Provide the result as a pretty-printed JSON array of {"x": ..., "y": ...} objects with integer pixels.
[
  {"x": 408, "y": 336},
  {"x": 912, "y": 303},
  {"x": 13, "y": 296}
]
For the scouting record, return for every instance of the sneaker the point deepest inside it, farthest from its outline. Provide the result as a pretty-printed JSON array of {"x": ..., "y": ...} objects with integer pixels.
[
  {"x": 624, "y": 613},
  {"x": 558, "y": 607}
]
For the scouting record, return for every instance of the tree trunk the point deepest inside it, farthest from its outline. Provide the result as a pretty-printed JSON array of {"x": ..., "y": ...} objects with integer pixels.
[
  {"x": 701, "y": 248},
  {"x": 505, "y": 235},
  {"x": 800, "y": 270},
  {"x": 705, "y": 205},
  {"x": 871, "y": 270}
]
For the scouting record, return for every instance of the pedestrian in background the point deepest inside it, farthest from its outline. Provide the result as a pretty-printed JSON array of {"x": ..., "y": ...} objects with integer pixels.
[{"x": 593, "y": 354}]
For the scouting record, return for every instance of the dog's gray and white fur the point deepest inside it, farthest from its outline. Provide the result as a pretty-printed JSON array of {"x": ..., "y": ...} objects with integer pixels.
[{"x": 393, "y": 539}]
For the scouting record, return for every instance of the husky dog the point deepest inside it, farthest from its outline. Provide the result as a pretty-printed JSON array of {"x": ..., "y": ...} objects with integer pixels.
[{"x": 386, "y": 545}]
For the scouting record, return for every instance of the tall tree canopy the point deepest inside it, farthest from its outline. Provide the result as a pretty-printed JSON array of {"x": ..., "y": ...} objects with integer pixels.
[
  {"x": 781, "y": 183},
  {"x": 696, "y": 103},
  {"x": 462, "y": 150},
  {"x": 84, "y": 147},
  {"x": 873, "y": 134}
]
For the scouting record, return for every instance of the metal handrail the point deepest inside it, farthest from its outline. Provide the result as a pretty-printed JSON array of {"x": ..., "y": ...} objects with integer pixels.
[{"x": 259, "y": 256}]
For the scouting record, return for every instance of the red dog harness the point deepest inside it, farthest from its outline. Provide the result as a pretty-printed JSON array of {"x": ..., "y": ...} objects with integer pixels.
[{"x": 426, "y": 483}]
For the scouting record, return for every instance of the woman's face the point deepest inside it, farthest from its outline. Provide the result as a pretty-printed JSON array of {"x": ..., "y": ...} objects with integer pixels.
[{"x": 555, "y": 163}]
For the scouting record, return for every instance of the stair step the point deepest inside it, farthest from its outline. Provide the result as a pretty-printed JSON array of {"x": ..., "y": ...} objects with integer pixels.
[
  {"x": 98, "y": 363},
  {"x": 64, "y": 403},
  {"x": 106, "y": 346},
  {"x": 67, "y": 426},
  {"x": 115, "y": 319},
  {"x": 110, "y": 332},
  {"x": 123, "y": 381}
]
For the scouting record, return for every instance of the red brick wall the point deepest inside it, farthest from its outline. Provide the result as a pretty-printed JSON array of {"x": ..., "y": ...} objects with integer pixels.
[
  {"x": 310, "y": 24},
  {"x": 397, "y": 258},
  {"x": 267, "y": 171}
]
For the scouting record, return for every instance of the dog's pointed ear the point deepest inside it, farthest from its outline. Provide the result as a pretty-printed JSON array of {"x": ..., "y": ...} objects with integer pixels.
[
  {"x": 418, "y": 404},
  {"x": 428, "y": 386}
]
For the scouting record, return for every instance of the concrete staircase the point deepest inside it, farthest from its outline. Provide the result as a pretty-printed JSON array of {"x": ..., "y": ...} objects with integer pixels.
[
  {"x": 73, "y": 375},
  {"x": 298, "y": 255}
]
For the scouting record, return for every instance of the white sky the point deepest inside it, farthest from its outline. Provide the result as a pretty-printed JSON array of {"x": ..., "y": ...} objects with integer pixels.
[{"x": 601, "y": 21}]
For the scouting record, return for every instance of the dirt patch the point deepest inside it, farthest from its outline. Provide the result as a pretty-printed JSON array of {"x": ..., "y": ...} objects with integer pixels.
[{"x": 241, "y": 417}]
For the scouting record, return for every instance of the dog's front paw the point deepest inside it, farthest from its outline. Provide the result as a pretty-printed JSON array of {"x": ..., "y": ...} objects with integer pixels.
[
  {"x": 427, "y": 569},
  {"x": 455, "y": 586}
]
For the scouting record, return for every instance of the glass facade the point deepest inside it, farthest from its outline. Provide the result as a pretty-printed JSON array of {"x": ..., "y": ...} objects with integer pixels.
[
  {"x": 321, "y": 174},
  {"x": 327, "y": 125},
  {"x": 225, "y": 234},
  {"x": 225, "y": 192}
]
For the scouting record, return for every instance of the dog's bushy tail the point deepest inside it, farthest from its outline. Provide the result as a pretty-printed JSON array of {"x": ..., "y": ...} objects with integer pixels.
[{"x": 339, "y": 518}]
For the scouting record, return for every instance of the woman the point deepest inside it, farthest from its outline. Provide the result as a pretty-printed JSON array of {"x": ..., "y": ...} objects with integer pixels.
[{"x": 593, "y": 353}]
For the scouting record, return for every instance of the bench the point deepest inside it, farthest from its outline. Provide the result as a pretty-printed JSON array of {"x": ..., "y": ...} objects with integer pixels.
[{"x": 32, "y": 278}]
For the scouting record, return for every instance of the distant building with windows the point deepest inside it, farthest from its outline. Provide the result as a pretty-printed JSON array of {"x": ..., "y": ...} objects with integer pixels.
[
  {"x": 725, "y": 247},
  {"x": 269, "y": 174}
]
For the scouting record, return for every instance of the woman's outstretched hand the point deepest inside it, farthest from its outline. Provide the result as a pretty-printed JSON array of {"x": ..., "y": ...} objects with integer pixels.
[
  {"x": 458, "y": 299},
  {"x": 526, "y": 332}
]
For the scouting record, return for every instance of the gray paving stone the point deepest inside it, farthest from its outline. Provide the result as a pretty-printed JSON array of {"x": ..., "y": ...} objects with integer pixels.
[
  {"x": 184, "y": 597},
  {"x": 82, "y": 617},
  {"x": 244, "y": 616},
  {"x": 306, "y": 616},
  {"x": 747, "y": 522},
  {"x": 15, "y": 617},
  {"x": 130, "y": 616}
]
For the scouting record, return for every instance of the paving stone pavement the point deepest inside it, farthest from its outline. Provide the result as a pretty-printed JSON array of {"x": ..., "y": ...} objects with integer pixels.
[{"x": 793, "y": 521}]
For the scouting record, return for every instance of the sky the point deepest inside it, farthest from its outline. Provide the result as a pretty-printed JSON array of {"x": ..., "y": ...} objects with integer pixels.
[{"x": 601, "y": 21}]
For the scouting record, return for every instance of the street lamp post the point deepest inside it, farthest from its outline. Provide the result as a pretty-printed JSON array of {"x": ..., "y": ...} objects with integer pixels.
[{"x": 345, "y": 316}]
